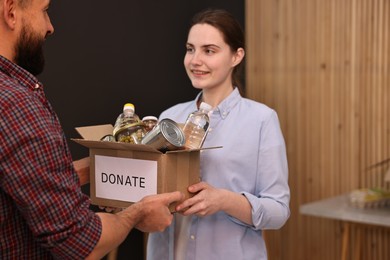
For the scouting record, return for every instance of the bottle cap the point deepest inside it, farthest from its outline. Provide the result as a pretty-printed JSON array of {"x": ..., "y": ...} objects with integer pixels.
[
  {"x": 205, "y": 106},
  {"x": 128, "y": 106}
]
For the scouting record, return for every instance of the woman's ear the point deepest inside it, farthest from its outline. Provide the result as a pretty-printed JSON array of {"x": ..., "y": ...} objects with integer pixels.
[
  {"x": 9, "y": 13},
  {"x": 238, "y": 56}
]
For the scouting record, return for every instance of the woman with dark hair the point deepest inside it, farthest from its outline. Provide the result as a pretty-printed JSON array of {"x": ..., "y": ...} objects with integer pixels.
[{"x": 244, "y": 187}]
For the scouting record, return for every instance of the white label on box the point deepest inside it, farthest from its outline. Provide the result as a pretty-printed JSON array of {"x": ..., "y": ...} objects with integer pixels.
[{"x": 124, "y": 179}]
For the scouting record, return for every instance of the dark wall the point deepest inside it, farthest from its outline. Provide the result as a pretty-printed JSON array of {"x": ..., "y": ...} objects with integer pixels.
[{"x": 106, "y": 53}]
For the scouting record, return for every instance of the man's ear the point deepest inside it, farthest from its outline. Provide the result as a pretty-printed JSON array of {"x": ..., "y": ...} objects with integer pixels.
[{"x": 9, "y": 13}]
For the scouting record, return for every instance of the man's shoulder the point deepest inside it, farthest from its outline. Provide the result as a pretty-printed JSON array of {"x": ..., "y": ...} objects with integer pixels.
[
  {"x": 11, "y": 90},
  {"x": 8, "y": 83}
]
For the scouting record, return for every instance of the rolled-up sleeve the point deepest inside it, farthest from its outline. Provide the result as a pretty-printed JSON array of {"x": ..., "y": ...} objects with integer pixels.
[
  {"x": 270, "y": 208},
  {"x": 270, "y": 202}
]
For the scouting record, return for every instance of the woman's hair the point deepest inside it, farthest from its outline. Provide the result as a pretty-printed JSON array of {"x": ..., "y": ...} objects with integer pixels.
[{"x": 232, "y": 33}]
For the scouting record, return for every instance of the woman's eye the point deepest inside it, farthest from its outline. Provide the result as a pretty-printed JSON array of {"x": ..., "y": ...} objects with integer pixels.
[{"x": 189, "y": 49}]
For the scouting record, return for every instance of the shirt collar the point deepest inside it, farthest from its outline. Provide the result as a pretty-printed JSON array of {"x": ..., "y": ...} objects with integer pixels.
[
  {"x": 16, "y": 72},
  {"x": 224, "y": 108}
]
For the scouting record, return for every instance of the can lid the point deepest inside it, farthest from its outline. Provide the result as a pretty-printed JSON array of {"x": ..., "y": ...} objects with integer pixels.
[
  {"x": 149, "y": 118},
  {"x": 172, "y": 132}
]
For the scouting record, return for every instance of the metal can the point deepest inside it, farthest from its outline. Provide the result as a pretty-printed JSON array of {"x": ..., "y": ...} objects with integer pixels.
[{"x": 165, "y": 136}]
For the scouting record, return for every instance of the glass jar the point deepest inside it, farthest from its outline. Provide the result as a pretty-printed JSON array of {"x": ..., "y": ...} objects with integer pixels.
[{"x": 150, "y": 122}]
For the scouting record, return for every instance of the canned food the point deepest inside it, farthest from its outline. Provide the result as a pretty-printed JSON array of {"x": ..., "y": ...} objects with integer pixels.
[{"x": 165, "y": 136}]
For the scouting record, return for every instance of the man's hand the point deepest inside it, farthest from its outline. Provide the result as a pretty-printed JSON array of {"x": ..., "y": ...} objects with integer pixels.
[
  {"x": 156, "y": 214},
  {"x": 148, "y": 215},
  {"x": 82, "y": 168}
]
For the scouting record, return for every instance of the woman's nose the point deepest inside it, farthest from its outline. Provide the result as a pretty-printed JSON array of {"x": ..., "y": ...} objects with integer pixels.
[{"x": 196, "y": 58}]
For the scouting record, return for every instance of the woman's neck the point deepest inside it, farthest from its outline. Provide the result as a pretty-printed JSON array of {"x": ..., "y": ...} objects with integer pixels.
[{"x": 214, "y": 97}]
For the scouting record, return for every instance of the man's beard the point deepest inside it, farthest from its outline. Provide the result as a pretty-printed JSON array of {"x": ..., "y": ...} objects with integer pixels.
[{"x": 29, "y": 51}]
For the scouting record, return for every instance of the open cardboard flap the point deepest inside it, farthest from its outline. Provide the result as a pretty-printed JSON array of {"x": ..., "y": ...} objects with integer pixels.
[{"x": 96, "y": 132}]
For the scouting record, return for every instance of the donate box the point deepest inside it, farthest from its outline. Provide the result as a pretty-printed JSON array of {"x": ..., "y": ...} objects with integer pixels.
[{"x": 123, "y": 173}]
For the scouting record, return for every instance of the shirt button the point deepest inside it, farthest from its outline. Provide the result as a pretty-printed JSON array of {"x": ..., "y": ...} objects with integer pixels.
[
  {"x": 192, "y": 237},
  {"x": 36, "y": 86}
]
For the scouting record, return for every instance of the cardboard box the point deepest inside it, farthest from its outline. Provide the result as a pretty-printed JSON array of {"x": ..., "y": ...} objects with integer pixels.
[{"x": 123, "y": 173}]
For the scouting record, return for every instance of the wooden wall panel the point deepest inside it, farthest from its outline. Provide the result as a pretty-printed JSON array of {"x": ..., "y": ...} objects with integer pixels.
[{"x": 324, "y": 66}]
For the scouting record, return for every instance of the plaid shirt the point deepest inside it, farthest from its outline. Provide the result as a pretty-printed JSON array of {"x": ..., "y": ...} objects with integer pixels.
[{"x": 43, "y": 213}]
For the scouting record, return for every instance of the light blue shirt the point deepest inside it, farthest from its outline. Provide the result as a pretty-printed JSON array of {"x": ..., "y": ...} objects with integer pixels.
[{"x": 251, "y": 162}]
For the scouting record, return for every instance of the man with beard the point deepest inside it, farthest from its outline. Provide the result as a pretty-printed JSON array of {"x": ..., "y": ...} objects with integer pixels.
[{"x": 43, "y": 213}]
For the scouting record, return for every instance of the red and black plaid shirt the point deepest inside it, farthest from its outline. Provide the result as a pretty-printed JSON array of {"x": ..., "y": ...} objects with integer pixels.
[{"x": 43, "y": 213}]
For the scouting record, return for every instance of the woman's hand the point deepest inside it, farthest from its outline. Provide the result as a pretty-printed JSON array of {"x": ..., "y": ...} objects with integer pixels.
[
  {"x": 210, "y": 200},
  {"x": 207, "y": 201}
]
